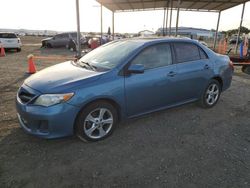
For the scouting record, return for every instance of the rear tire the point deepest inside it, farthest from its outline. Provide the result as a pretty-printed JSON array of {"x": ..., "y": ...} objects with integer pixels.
[
  {"x": 96, "y": 122},
  {"x": 211, "y": 94},
  {"x": 18, "y": 49}
]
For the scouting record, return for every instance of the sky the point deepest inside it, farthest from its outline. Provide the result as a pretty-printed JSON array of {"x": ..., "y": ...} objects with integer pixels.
[{"x": 60, "y": 15}]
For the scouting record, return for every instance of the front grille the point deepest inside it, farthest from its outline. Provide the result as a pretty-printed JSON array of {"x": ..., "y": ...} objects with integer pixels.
[{"x": 25, "y": 96}]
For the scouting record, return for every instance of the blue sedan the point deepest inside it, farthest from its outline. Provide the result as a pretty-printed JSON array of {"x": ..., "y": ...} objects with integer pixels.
[{"x": 120, "y": 80}]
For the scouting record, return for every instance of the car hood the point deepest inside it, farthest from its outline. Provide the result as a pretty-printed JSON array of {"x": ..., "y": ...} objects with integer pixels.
[
  {"x": 62, "y": 77},
  {"x": 47, "y": 39}
]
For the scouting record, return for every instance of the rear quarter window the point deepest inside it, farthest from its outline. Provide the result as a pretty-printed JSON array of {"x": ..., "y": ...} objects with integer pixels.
[
  {"x": 74, "y": 35},
  {"x": 8, "y": 35},
  {"x": 203, "y": 54}
]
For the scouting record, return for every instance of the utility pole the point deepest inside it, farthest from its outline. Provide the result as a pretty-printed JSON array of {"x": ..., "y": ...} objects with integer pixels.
[{"x": 78, "y": 30}]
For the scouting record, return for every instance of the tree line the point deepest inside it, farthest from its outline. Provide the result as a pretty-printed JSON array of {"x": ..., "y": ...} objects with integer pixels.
[{"x": 235, "y": 31}]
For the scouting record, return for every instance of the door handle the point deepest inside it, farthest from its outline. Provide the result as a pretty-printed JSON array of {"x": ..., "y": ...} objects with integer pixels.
[
  {"x": 172, "y": 74},
  {"x": 206, "y": 66}
]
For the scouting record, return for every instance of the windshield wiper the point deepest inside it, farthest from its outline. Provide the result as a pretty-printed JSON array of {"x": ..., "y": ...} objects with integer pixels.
[{"x": 87, "y": 65}]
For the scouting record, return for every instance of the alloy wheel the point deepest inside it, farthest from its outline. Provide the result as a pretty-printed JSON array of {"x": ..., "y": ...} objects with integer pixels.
[
  {"x": 212, "y": 94},
  {"x": 98, "y": 123}
]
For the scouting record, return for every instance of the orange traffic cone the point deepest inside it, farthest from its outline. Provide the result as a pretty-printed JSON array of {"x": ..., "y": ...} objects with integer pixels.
[
  {"x": 31, "y": 64},
  {"x": 2, "y": 53}
]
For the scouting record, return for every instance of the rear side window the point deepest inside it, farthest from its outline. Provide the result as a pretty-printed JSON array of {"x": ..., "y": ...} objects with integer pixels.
[
  {"x": 154, "y": 56},
  {"x": 187, "y": 52},
  {"x": 203, "y": 54},
  {"x": 8, "y": 35},
  {"x": 63, "y": 36},
  {"x": 74, "y": 35}
]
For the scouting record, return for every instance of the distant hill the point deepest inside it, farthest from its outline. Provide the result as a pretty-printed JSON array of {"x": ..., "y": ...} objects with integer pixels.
[
  {"x": 23, "y": 32},
  {"x": 31, "y": 32}
]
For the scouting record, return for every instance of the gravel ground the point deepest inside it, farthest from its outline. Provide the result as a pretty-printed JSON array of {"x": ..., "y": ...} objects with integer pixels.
[{"x": 180, "y": 147}]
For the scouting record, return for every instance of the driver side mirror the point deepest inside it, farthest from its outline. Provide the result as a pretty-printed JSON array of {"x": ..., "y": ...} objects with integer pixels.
[{"x": 136, "y": 69}]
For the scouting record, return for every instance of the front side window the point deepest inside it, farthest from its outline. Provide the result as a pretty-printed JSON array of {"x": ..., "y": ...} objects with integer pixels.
[
  {"x": 57, "y": 37},
  {"x": 186, "y": 52},
  {"x": 154, "y": 56},
  {"x": 64, "y": 36}
]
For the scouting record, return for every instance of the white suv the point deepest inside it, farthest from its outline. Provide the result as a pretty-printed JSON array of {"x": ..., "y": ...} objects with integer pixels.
[{"x": 10, "y": 41}]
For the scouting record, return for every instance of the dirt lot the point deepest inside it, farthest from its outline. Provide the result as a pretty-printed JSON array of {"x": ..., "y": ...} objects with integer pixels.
[{"x": 181, "y": 147}]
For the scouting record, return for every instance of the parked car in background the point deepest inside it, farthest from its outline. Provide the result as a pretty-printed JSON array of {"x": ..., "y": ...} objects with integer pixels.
[
  {"x": 10, "y": 41},
  {"x": 120, "y": 80},
  {"x": 100, "y": 40},
  {"x": 234, "y": 40},
  {"x": 63, "y": 40}
]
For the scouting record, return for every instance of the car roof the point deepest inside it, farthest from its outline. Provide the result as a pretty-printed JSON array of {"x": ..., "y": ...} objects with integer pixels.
[
  {"x": 146, "y": 40},
  {"x": 7, "y": 33}
]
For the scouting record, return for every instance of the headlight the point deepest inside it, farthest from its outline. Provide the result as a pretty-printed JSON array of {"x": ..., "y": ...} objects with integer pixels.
[{"x": 51, "y": 99}]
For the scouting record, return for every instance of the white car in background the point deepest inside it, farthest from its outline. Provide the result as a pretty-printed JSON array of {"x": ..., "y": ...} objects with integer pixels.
[{"x": 10, "y": 41}]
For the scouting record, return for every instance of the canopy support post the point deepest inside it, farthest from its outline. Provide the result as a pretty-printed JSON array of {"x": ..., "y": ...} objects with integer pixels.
[
  {"x": 101, "y": 26},
  {"x": 163, "y": 26},
  {"x": 78, "y": 30},
  {"x": 113, "y": 25},
  {"x": 216, "y": 32},
  {"x": 170, "y": 22},
  {"x": 238, "y": 35},
  {"x": 167, "y": 22},
  {"x": 177, "y": 22}
]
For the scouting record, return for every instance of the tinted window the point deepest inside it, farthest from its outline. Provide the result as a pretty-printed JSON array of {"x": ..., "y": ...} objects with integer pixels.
[
  {"x": 186, "y": 52},
  {"x": 154, "y": 56},
  {"x": 64, "y": 36},
  {"x": 74, "y": 35},
  {"x": 61, "y": 36},
  {"x": 57, "y": 36},
  {"x": 8, "y": 35}
]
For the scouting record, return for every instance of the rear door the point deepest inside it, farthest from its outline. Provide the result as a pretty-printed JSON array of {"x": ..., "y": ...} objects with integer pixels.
[
  {"x": 9, "y": 40},
  {"x": 61, "y": 40},
  {"x": 56, "y": 40},
  {"x": 64, "y": 39},
  {"x": 74, "y": 36},
  {"x": 155, "y": 88},
  {"x": 193, "y": 69}
]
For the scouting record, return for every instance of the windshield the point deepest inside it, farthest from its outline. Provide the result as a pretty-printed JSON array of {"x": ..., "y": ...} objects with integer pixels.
[
  {"x": 110, "y": 55},
  {"x": 8, "y": 35}
]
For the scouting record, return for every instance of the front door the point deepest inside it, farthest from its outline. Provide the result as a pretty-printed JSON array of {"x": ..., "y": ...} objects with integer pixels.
[{"x": 155, "y": 88}]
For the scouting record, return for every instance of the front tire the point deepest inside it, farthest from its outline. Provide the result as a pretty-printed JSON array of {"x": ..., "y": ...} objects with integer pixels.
[
  {"x": 246, "y": 69},
  {"x": 48, "y": 45},
  {"x": 211, "y": 94},
  {"x": 96, "y": 122}
]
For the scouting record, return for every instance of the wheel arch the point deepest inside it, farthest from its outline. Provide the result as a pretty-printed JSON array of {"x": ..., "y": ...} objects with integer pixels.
[
  {"x": 219, "y": 79},
  {"x": 49, "y": 44},
  {"x": 114, "y": 103}
]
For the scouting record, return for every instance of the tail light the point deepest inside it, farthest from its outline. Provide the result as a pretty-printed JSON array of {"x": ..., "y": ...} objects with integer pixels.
[{"x": 231, "y": 65}]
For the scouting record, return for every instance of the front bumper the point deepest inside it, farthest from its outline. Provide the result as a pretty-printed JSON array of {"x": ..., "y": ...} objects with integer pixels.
[{"x": 47, "y": 122}]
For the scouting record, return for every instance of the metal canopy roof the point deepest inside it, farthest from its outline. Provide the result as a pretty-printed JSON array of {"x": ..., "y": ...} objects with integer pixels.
[{"x": 191, "y": 5}]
